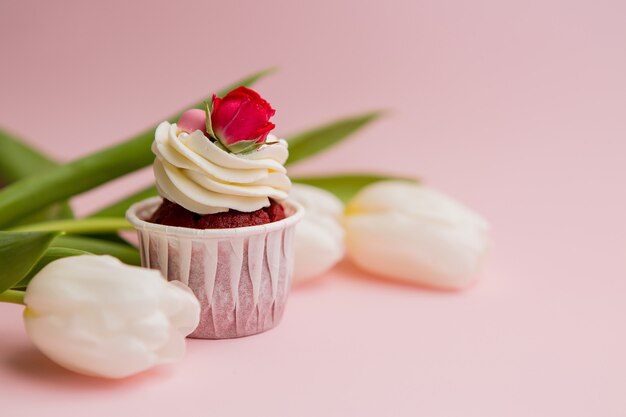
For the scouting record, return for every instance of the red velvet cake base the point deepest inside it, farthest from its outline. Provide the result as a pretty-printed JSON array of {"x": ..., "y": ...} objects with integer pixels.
[{"x": 171, "y": 214}]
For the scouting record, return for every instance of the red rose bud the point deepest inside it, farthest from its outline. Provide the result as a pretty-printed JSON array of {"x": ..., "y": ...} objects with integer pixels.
[
  {"x": 241, "y": 115},
  {"x": 192, "y": 120}
]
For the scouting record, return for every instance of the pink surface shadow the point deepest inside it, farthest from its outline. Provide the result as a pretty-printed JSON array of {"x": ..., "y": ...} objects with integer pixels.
[
  {"x": 351, "y": 272},
  {"x": 317, "y": 283},
  {"x": 25, "y": 361}
]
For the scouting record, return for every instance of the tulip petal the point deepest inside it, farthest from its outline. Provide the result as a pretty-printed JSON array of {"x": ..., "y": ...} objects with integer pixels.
[
  {"x": 318, "y": 248},
  {"x": 415, "y": 234},
  {"x": 97, "y": 316},
  {"x": 319, "y": 236}
]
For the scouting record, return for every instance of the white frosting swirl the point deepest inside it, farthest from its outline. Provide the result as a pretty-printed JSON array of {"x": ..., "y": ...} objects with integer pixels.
[{"x": 193, "y": 172}]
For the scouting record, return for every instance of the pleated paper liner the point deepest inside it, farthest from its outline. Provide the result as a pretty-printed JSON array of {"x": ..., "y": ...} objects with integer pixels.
[{"x": 241, "y": 276}]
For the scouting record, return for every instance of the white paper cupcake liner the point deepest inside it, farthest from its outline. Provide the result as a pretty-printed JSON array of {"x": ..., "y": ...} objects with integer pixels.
[{"x": 241, "y": 276}]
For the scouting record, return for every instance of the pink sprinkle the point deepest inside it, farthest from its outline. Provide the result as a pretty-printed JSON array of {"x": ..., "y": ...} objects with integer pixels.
[{"x": 192, "y": 120}]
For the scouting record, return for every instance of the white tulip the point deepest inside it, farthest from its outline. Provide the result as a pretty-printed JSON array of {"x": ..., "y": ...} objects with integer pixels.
[
  {"x": 97, "y": 316},
  {"x": 319, "y": 236},
  {"x": 412, "y": 233}
]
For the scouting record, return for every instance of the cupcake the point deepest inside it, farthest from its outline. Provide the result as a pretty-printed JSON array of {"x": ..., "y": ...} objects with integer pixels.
[{"x": 223, "y": 224}]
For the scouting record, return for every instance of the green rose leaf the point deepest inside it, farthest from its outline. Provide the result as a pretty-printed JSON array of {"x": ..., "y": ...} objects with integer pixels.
[
  {"x": 243, "y": 146},
  {"x": 19, "y": 252},
  {"x": 219, "y": 145},
  {"x": 209, "y": 125},
  {"x": 345, "y": 186}
]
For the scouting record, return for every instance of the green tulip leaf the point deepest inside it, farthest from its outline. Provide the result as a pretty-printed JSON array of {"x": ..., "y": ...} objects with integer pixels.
[
  {"x": 118, "y": 209},
  {"x": 123, "y": 252},
  {"x": 110, "y": 237},
  {"x": 311, "y": 142},
  {"x": 55, "y": 211},
  {"x": 39, "y": 190},
  {"x": 345, "y": 186},
  {"x": 19, "y": 160},
  {"x": 19, "y": 252},
  {"x": 50, "y": 255}
]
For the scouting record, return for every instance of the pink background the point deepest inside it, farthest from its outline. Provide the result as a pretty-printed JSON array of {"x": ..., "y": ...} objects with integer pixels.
[{"x": 518, "y": 108}]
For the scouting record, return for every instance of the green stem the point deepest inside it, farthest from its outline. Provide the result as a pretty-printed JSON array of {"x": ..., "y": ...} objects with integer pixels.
[
  {"x": 12, "y": 296},
  {"x": 95, "y": 225}
]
